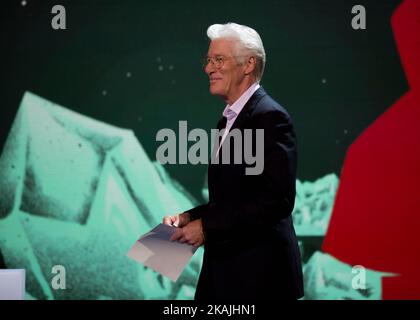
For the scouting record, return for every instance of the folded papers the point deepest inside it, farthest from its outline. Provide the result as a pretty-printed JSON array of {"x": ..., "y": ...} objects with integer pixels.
[{"x": 156, "y": 251}]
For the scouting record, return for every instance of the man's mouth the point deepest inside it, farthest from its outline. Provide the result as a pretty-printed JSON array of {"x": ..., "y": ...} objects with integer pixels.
[{"x": 214, "y": 80}]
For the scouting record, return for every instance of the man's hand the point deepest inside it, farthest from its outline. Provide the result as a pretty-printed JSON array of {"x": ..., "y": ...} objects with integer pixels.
[
  {"x": 178, "y": 220},
  {"x": 192, "y": 234}
]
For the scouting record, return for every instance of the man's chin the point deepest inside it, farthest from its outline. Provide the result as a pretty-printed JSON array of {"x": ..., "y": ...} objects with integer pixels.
[{"x": 215, "y": 92}]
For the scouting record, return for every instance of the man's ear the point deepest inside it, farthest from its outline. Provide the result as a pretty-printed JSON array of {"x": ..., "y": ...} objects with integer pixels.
[{"x": 250, "y": 65}]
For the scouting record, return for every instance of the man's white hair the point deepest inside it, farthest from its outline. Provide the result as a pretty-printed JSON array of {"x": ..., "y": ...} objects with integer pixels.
[{"x": 249, "y": 42}]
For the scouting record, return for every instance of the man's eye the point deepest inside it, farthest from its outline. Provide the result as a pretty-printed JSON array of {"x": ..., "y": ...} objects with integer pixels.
[{"x": 219, "y": 59}]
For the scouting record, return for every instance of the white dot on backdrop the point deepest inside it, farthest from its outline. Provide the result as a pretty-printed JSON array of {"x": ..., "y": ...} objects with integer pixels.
[
  {"x": 345, "y": 131},
  {"x": 171, "y": 67},
  {"x": 104, "y": 93},
  {"x": 160, "y": 68},
  {"x": 23, "y": 3},
  {"x": 158, "y": 59},
  {"x": 128, "y": 74},
  {"x": 324, "y": 81}
]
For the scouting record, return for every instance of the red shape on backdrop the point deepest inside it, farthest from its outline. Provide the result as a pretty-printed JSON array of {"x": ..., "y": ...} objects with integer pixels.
[{"x": 376, "y": 215}]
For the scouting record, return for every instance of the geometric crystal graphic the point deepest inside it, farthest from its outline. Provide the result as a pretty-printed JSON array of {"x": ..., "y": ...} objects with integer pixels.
[
  {"x": 77, "y": 193},
  {"x": 327, "y": 278},
  {"x": 313, "y": 205}
]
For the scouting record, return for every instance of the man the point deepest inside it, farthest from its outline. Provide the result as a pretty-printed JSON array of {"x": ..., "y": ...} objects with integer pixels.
[{"x": 250, "y": 246}]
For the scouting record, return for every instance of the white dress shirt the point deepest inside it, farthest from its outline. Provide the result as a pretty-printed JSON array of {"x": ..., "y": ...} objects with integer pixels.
[{"x": 231, "y": 112}]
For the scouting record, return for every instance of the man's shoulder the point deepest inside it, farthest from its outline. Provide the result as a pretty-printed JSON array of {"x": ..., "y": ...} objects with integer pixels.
[{"x": 266, "y": 105}]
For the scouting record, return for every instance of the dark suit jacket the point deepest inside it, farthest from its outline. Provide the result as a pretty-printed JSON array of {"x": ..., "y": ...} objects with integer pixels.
[{"x": 250, "y": 249}]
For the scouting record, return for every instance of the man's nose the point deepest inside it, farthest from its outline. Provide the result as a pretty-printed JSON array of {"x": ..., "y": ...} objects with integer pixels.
[{"x": 209, "y": 69}]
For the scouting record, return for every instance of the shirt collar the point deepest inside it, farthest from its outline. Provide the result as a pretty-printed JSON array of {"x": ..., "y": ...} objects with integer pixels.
[{"x": 232, "y": 111}]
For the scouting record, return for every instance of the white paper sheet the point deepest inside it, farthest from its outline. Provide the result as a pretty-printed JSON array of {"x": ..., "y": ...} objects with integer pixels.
[{"x": 156, "y": 251}]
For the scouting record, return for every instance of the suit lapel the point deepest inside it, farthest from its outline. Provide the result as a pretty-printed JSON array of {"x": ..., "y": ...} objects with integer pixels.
[
  {"x": 238, "y": 124},
  {"x": 247, "y": 109}
]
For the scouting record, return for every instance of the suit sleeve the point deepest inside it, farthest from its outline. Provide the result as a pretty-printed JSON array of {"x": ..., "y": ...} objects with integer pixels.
[
  {"x": 273, "y": 190},
  {"x": 197, "y": 212}
]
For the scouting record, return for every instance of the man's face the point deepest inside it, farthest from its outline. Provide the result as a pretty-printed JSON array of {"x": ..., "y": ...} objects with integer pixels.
[{"x": 226, "y": 80}]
